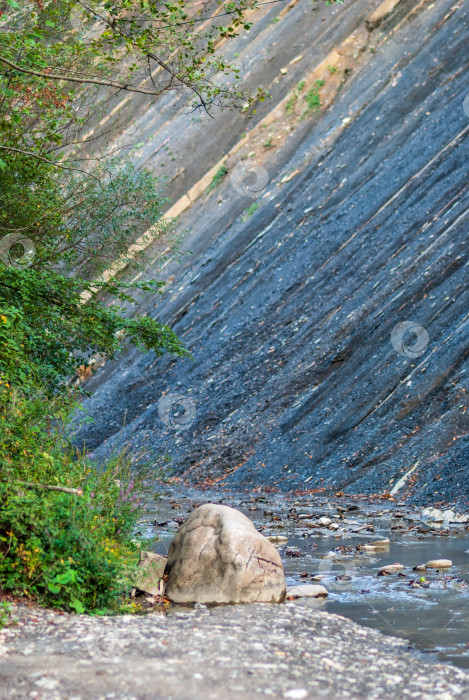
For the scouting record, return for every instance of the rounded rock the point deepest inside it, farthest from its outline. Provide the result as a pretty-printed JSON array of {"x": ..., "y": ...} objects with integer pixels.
[
  {"x": 439, "y": 564},
  {"x": 307, "y": 591},
  {"x": 218, "y": 557}
]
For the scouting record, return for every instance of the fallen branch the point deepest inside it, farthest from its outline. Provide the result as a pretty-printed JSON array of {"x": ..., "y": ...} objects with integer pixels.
[{"x": 63, "y": 489}]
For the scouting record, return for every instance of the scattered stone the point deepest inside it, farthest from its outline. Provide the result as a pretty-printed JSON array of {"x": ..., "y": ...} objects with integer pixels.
[
  {"x": 324, "y": 520},
  {"x": 421, "y": 526},
  {"x": 149, "y": 574},
  {"x": 378, "y": 546},
  {"x": 330, "y": 555},
  {"x": 439, "y": 564},
  {"x": 420, "y": 567},
  {"x": 390, "y": 569},
  {"x": 307, "y": 591},
  {"x": 461, "y": 519},
  {"x": 380, "y": 543},
  {"x": 456, "y": 584},
  {"x": 278, "y": 539},
  {"x": 447, "y": 516},
  {"x": 218, "y": 556}
]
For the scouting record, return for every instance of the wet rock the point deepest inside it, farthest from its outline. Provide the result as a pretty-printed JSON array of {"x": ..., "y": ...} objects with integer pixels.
[
  {"x": 307, "y": 591},
  {"x": 218, "y": 556},
  {"x": 325, "y": 521},
  {"x": 461, "y": 519},
  {"x": 331, "y": 555},
  {"x": 448, "y": 516},
  {"x": 431, "y": 513},
  {"x": 278, "y": 539},
  {"x": 390, "y": 569},
  {"x": 439, "y": 564},
  {"x": 444, "y": 516},
  {"x": 377, "y": 546},
  {"x": 149, "y": 574},
  {"x": 456, "y": 584},
  {"x": 423, "y": 527},
  {"x": 420, "y": 567}
]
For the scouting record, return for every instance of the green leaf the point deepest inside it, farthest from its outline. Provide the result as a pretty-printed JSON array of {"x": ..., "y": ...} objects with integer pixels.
[
  {"x": 77, "y": 606},
  {"x": 66, "y": 577}
]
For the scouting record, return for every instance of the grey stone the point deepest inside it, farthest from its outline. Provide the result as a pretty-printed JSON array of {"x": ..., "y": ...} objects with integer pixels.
[{"x": 150, "y": 573}]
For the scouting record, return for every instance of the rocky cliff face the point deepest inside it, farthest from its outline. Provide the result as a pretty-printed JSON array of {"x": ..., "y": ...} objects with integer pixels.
[{"x": 325, "y": 299}]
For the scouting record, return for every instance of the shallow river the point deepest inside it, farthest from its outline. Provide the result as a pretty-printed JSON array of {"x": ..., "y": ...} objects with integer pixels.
[{"x": 430, "y": 608}]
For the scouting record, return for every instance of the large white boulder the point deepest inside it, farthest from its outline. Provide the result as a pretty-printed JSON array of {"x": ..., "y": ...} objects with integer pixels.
[{"x": 218, "y": 557}]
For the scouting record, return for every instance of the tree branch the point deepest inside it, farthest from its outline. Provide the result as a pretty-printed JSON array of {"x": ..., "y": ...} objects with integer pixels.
[
  {"x": 46, "y": 160},
  {"x": 83, "y": 81},
  {"x": 62, "y": 489},
  {"x": 113, "y": 26}
]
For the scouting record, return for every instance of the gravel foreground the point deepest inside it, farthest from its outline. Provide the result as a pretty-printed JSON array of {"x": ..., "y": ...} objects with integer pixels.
[{"x": 286, "y": 651}]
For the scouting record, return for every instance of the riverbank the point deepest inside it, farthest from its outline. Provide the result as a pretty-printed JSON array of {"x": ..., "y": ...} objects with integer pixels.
[
  {"x": 283, "y": 651},
  {"x": 297, "y": 650},
  {"x": 329, "y": 541}
]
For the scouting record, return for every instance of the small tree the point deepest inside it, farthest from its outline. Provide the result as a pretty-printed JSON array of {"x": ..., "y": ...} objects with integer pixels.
[{"x": 60, "y": 62}]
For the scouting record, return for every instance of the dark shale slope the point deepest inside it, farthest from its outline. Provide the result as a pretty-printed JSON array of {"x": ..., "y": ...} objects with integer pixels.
[{"x": 299, "y": 376}]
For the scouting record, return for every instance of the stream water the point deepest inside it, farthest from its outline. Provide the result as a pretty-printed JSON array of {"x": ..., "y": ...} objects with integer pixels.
[{"x": 430, "y": 608}]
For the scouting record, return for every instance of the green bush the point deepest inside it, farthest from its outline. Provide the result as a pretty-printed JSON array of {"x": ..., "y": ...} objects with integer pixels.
[{"x": 65, "y": 550}]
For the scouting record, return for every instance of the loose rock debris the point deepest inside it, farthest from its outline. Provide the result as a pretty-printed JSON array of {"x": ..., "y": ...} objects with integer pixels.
[{"x": 247, "y": 651}]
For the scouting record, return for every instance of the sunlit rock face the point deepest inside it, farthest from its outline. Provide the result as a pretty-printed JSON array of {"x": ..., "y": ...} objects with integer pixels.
[{"x": 328, "y": 325}]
